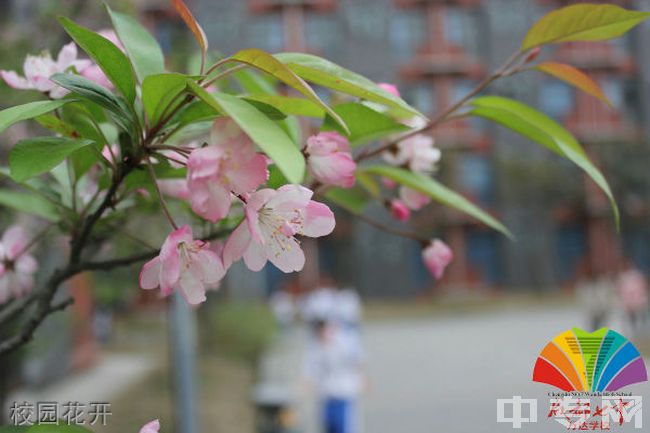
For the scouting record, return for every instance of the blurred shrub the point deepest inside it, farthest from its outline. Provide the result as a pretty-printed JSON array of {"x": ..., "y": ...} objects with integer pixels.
[{"x": 237, "y": 329}]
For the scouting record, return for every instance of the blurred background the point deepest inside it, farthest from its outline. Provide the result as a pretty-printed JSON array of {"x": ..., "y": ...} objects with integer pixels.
[{"x": 499, "y": 302}]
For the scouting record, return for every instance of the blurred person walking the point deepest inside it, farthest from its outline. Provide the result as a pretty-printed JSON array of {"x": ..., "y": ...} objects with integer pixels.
[
  {"x": 334, "y": 365},
  {"x": 633, "y": 292},
  {"x": 599, "y": 297},
  {"x": 282, "y": 306}
]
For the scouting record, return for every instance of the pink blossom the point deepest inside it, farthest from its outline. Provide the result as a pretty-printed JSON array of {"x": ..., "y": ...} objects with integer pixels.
[
  {"x": 16, "y": 266},
  {"x": 176, "y": 188},
  {"x": 39, "y": 69},
  {"x": 230, "y": 164},
  {"x": 95, "y": 74},
  {"x": 183, "y": 264},
  {"x": 329, "y": 159},
  {"x": 399, "y": 210},
  {"x": 436, "y": 256},
  {"x": 390, "y": 88},
  {"x": 417, "y": 152},
  {"x": 273, "y": 218},
  {"x": 413, "y": 199},
  {"x": 151, "y": 427}
]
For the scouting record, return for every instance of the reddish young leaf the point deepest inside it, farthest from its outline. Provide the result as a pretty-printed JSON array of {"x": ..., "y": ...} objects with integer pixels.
[
  {"x": 575, "y": 77},
  {"x": 193, "y": 25}
]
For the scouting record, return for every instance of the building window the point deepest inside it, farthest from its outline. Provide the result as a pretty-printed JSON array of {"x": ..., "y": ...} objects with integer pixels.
[
  {"x": 267, "y": 33},
  {"x": 476, "y": 177},
  {"x": 406, "y": 33}
]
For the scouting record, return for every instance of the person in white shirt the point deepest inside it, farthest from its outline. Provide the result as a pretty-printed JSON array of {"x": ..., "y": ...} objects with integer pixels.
[{"x": 334, "y": 364}]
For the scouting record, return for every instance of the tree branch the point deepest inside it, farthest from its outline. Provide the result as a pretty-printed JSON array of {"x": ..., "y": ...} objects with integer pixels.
[
  {"x": 43, "y": 308},
  {"x": 392, "y": 230},
  {"x": 443, "y": 116}
]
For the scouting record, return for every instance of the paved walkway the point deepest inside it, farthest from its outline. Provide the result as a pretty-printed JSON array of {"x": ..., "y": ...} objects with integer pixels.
[
  {"x": 443, "y": 374},
  {"x": 104, "y": 382}
]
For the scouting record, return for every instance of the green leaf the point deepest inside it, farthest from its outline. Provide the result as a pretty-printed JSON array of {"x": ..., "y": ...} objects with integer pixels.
[
  {"x": 437, "y": 192},
  {"x": 34, "y": 156},
  {"x": 330, "y": 75},
  {"x": 27, "y": 111},
  {"x": 368, "y": 183},
  {"x": 268, "y": 110},
  {"x": 97, "y": 94},
  {"x": 263, "y": 131},
  {"x": 57, "y": 125},
  {"x": 289, "y": 105},
  {"x": 269, "y": 64},
  {"x": 29, "y": 203},
  {"x": 276, "y": 178},
  {"x": 353, "y": 200},
  {"x": 291, "y": 125},
  {"x": 253, "y": 82},
  {"x": 108, "y": 57},
  {"x": 582, "y": 22},
  {"x": 142, "y": 48},
  {"x": 365, "y": 123},
  {"x": 541, "y": 129},
  {"x": 196, "y": 111},
  {"x": 158, "y": 91}
]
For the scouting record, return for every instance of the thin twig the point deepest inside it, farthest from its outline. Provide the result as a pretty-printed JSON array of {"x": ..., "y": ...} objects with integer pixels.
[
  {"x": 223, "y": 74},
  {"x": 444, "y": 115},
  {"x": 390, "y": 229},
  {"x": 165, "y": 209}
]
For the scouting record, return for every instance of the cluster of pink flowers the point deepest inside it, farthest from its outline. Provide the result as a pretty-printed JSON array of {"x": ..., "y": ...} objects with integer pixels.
[
  {"x": 38, "y": 69},
  {"x": 229, "y": 170},
  {"x": 17, "y": 268},
  {"x": 418, "y": 154}
]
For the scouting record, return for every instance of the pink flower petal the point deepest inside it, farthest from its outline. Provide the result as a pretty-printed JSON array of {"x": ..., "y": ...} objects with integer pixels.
[
  {"x": 191, "y": 286},
  {"x": 150, "y": 274},
  {"x": 319, "y": 220},
  {"x": 95, "y": 74},
  {"x": 255, "y": 256},
  {"x": 249, "y": 174},
  {"x": 26, "y": 264},
  {"x": 151, "y": 427},
  {"x": 15, "y": 81},
  {"x": 209, "y": 200},
  {"x": 236, "y": 245},
  {"x": 67, "y": 56},
  {"x": 288, "y": 258},
  {"x": 14, "y": 241},
  {"x": 211, "y": 266}
]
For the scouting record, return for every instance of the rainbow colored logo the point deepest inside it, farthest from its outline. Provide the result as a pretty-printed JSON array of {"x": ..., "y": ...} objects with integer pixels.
[{"x": 579, "y": 361}]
